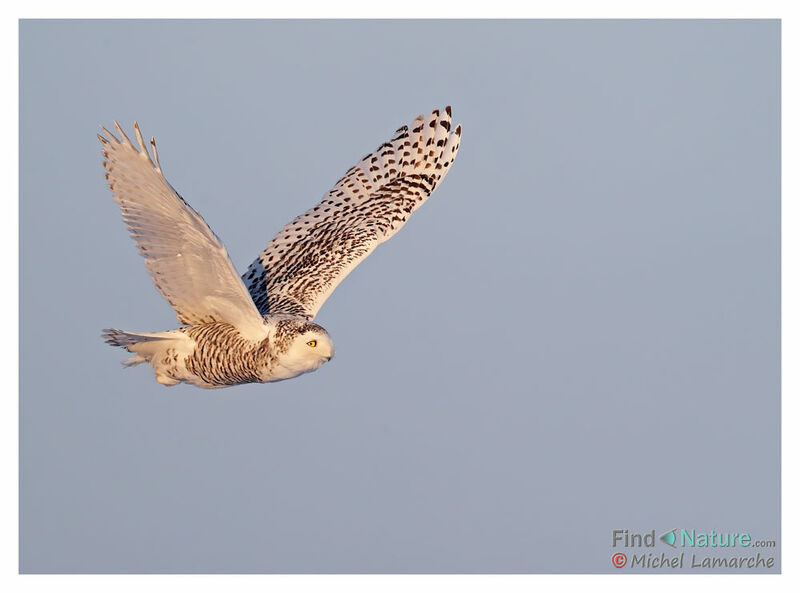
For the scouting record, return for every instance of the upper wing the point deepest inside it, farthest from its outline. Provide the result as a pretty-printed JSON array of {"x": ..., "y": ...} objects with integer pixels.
[
  {"x": 187, "y": 261},
  {"x": 308, "y": 259}
]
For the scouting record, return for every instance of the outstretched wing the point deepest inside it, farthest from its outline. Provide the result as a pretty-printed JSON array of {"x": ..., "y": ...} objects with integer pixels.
[
  {"x": 187, "y": 261},
  {"x": 307, "y": 260}
]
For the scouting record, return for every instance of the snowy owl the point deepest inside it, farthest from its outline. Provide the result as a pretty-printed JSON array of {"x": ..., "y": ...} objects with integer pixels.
[{"x": 258, "y": 328}]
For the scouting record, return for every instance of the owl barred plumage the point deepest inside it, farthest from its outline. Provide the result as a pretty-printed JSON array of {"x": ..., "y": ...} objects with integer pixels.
[
  {"x": 232, "y": 336},
  {"x": 305, "y": 262}
]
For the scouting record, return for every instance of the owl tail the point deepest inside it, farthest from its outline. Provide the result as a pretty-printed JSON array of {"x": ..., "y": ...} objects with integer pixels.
[{"x": 137, "y": 343}]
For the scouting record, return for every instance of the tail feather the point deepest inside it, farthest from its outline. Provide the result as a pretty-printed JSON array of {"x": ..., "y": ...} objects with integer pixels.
[
  {"x": 164, "y": 351},
  {"x": 134, "y": 360},
  {"x": 117, "y": 337}
]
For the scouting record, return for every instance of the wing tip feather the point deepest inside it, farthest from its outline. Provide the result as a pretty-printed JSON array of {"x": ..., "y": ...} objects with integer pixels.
[{"x": 122, "y": 133}]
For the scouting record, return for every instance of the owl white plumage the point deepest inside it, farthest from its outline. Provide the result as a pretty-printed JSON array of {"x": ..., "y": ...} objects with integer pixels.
[{"x": 259, "y": 328}]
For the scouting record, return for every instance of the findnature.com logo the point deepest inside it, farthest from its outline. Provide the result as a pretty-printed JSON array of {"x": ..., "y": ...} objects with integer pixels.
[{"x": 712, "y": 542}]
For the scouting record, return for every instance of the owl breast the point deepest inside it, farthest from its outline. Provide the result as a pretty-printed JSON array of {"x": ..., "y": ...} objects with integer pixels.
[{"x": 223, "y": 357}]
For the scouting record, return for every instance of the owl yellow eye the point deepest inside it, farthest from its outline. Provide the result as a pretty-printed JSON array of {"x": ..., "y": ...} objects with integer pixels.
[{"x": 312, "y": 343}]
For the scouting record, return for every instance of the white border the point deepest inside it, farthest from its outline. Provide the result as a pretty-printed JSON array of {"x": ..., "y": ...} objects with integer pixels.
[{"x": 410, "y": 9}]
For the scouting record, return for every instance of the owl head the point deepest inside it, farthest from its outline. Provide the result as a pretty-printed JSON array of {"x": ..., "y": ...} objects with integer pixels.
[
  {"x": 311, "y": 346},
  {"x": 301, "y": 346}
]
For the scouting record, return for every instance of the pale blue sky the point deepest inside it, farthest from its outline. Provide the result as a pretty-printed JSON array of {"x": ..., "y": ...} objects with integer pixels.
[{"x": 579, "y": 332}]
